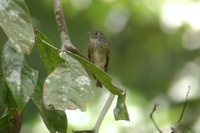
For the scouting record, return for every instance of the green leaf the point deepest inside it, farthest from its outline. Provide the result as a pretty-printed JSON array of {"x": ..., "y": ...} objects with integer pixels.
[
  {"x": 15, "y": 21},
  {"x": 5, "y": 123},
  {"x": 11, "y": 119},
  {"x": 48, "y": 53},
  {"x": 20, "y": 78},
  {"x": 55, "y": 120},
  {"x": 120, "y": 111},
  {"x": 68, "y": 86},
  {"x": 7, "y": 98}
]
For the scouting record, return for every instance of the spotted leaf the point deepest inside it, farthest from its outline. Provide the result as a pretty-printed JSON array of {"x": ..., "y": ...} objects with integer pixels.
[{"x": 68, "y": 86}]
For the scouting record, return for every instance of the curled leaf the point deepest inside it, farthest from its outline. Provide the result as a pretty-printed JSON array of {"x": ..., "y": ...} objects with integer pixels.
[{"x": 120, "y": 111}]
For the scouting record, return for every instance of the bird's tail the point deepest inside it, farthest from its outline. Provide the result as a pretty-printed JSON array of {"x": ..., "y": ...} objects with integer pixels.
[{"x": 99, "y": 84}]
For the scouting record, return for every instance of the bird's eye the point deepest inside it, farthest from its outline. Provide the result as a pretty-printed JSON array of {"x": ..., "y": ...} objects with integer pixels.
[{"x": 96, "y": 33}]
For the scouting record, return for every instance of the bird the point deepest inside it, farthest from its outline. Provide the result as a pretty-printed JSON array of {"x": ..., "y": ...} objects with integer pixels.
[{"x": 98, "y": 52}]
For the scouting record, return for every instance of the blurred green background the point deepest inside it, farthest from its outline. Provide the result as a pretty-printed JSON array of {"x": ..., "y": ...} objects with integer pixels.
[{"x": 155, "y": 48}]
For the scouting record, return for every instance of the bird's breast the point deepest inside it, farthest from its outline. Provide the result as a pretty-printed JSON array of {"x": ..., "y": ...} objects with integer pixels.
[{"x": 98, "y": 56}]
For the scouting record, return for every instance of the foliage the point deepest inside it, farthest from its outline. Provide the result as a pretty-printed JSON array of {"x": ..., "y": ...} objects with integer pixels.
[
  {"x": 67, "y": 85},
  {"x": 148, "y": 59}
]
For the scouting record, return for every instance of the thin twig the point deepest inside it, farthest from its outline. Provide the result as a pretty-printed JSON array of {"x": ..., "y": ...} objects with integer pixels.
[
  {"x": 184, "y": 107},
  {"x": 103, "y": 112},
  {"x": 60, "y": 19},
  {"x": 152, "y": 119},
  {"x": 178, "y": 123}
]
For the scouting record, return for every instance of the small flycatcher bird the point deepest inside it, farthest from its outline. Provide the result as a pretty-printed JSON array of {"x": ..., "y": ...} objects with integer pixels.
[{"x": 98, "y": 51}]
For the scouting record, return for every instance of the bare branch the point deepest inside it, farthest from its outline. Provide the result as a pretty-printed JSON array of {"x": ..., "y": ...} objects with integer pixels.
[
  {"x": 152, "y": 119},
  {"x": 184, "y": 107},
  {"x": 178, "y": 123},
  {"x": 60, "y": 19}
]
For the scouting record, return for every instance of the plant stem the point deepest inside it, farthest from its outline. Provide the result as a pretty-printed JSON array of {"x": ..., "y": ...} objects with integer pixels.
[{"x": 103, "y": 112}]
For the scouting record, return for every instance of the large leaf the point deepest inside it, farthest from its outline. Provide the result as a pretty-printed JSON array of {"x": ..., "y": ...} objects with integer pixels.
[
  {"x": 48, "y": 54},
  {"x": 55, "y": 120},
  {"x": 20, "y": 78},
  {"x": 120, "y": 112},
  {"x": 68, "y": 86},
  {"x": 15, "y": 21}
]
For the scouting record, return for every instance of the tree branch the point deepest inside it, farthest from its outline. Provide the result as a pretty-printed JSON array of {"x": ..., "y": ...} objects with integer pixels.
[
  {"x": 178, "y": 123},
  {"x": 60, "y": 19}
]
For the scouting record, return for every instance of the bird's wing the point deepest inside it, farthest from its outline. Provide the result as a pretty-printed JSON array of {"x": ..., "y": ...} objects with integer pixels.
[{"x": 107, "y": 60}]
